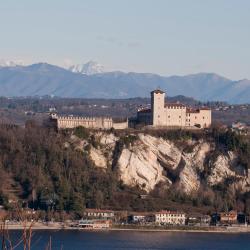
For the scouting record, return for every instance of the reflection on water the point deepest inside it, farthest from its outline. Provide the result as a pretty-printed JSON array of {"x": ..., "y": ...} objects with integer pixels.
[{"x": 76, "y": 240}]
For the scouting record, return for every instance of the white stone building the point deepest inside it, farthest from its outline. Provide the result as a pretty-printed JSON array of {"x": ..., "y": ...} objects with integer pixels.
[
  {"x": 164, "y": 114},
  {"x": 98, "y": 213},
  {"x": 170, "y": 218},
  {"x": 63, "y": 122}
]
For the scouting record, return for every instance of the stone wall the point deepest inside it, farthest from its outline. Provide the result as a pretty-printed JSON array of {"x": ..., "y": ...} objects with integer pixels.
[
  {"x": 120, "y": 125},
  {"x": 175, "y": 115},
  {"x": 63, "y": 122},
  {"x": 201, "y": 118}
]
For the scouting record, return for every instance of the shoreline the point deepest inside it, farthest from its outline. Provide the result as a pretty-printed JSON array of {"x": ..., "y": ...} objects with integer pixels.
[{"x": 57, "y": 227}]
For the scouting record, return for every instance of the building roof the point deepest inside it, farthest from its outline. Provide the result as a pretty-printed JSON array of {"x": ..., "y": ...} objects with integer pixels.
[
  {"x": 205, "y": 108},
  {"x": 230, "y": 213},
  {"x": 157, "y": 91},
  {"x": 191, "y": 110}
]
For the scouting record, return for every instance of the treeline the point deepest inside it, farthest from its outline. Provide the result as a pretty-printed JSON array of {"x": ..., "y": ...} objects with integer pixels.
[{"x": 40, "y": 170}]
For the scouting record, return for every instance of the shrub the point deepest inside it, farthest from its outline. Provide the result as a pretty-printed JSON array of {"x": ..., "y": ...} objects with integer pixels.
[{"x": 81, "y": 132}]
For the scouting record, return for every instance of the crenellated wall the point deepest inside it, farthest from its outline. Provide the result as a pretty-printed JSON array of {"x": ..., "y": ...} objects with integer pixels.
[{"x": 64, "y": 122}]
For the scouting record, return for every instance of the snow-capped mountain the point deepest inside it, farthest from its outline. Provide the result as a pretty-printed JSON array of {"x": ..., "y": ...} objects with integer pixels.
[
  {"x": 45, "y": 79},
  {"x": 89, "y": 68},
  {"x": 10, "y": 63}
]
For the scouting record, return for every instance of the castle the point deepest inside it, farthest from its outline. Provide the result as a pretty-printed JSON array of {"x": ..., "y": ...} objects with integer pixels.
[
  {"x": 160, "y": 114},
  {"x": 164, "y": 114},
  {"x": 63, "y": 122}
]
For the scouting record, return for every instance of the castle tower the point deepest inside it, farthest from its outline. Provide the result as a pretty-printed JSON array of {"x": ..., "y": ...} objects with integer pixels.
[{"x": 158, "y": 107}]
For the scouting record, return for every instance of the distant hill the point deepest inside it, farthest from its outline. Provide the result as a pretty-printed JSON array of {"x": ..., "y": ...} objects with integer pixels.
[{"x": 45, "y": 79}]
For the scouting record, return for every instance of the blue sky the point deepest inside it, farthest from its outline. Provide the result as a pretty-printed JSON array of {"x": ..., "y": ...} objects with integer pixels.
[{"x": 161, "y": 36}]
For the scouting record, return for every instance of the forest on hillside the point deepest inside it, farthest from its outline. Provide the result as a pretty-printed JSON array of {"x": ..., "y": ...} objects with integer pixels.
[{"x": 39, "y": 169}]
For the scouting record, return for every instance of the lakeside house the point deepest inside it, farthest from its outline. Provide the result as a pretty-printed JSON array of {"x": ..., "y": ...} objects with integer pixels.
[
  {"x": 229, "y": 217},
  {"x": 166, "y": 217},
  {"x": 138, "y": 218},
  {"x": 198, "y": 220},
  {"x": 98, "y": 213},
  {"x": 141, "y": 218}
]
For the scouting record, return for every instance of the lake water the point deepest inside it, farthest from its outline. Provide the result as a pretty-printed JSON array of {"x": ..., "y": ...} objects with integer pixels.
[{"x": 76, "y": 240}]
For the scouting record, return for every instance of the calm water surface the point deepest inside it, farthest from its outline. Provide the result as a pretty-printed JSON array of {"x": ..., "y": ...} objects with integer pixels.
[{"x": 76, "y": 240}]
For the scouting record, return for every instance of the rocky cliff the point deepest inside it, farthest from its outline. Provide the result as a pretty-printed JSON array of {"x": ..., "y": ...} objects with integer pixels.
[{"x": 149, "y": 160}]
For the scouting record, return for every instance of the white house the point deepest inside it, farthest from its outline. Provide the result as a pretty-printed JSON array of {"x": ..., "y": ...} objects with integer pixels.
[{"x": 170, "y": 218}]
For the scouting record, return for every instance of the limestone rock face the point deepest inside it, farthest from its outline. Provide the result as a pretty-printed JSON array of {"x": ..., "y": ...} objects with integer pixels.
[
  {"x": 141, "y": 168},
  {"x": 143, "y": 164},
  {"x": 226, "y": 167},
  {"x": 108, "y": 139},
  {"x": 188, "y": 179},
  {"x": 193, "y": 162},
  {"x": 150, "y": 160},
  {"x": 98, "y": 158},
  {"x": 221, "y": 170},
  {"x": 166, "y": 151}
]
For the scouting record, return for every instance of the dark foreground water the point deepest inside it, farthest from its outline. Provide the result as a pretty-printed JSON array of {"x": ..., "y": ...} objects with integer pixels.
[{"x": 76, "y": 240}]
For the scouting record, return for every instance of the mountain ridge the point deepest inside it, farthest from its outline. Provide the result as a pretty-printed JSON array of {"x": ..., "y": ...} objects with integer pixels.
[{"x": 46, "y": 79}]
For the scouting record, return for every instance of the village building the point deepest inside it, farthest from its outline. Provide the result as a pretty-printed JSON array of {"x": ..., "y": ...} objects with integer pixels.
[
  {"x": 228, "y": 217},
  {"x": 240, "y": 128},
  {"x": 170, "y": 218},
  {"x": 163, "y": 114},
  {"x": 138, "y": 218},
  {"x": 198, "y": 220},
  {"x": 98, "y": 213},
  {"x": 141, "y": 217}
]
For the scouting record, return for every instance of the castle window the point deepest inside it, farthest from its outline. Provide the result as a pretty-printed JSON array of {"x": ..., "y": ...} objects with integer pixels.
[{"x": 169, "y": 116}]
